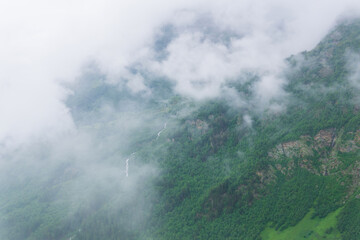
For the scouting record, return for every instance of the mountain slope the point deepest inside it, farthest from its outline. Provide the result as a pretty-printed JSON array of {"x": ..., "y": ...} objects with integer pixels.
[
  {"x": 229, "y": 181},
  {"x": 216, "y": 171}
]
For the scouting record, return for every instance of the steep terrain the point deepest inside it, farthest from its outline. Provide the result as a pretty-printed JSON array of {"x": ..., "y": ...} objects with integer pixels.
[
  {"x": 207, "y": 170},
  {"x": 226, "y": 179}
]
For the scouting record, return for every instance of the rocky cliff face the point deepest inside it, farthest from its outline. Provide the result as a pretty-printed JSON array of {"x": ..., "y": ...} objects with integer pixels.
[{"x": 329, "y": 152}]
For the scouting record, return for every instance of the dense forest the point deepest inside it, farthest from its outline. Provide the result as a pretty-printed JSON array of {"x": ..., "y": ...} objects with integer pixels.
[{"x": 209, "y": 170}]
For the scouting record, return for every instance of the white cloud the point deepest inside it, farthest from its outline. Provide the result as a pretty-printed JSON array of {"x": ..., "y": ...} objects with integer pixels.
[
  {"x": 29, "y": 109},
  {"x": 136, "y": 84},
  {"x": 260, "y": 36},
  {"x": 353, "y": 65},
  {"x": 198, "y": 67},
  {"x": 43, "y": 42},
  {"x": 247, "y": 120},
  {"x": 353, "y": 61}
]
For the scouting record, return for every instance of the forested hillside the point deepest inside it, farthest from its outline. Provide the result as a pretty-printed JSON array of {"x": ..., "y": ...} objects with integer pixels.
[{"x": 205, "y": 169}]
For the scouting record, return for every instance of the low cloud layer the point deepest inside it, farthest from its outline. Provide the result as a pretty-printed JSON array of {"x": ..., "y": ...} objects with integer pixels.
[
  {"x": 76, "y": 77},
  {"x": 353, "y": 66},
  {"x": 45, "y": 43},
  {"x": 353, "y": 63}
]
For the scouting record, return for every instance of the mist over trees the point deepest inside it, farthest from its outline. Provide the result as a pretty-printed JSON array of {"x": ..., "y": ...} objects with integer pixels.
[{"x": 181, "y": 120}]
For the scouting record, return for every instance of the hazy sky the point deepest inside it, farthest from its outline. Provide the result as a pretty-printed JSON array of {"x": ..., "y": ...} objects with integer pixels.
[{"x": 44, "y": 43}]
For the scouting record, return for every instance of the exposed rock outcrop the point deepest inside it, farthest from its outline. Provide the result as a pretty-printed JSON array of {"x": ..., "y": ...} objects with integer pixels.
[{"x": 325, "y": 145}]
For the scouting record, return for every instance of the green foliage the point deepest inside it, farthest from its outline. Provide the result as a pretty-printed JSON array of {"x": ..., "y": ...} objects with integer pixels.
[
  {"x": 308, "y": 228},
  {"x": 217, "y": 180},
  {"x": 349, "y": 220}
]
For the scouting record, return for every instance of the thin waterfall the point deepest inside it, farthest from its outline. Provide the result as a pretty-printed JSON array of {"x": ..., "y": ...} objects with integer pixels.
[
  {"x": 127, "y": 160},
  {"x": 158, "y": 135},
  {"x": 127, "y": 167},
  {"x": 127, "y": 164}
]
